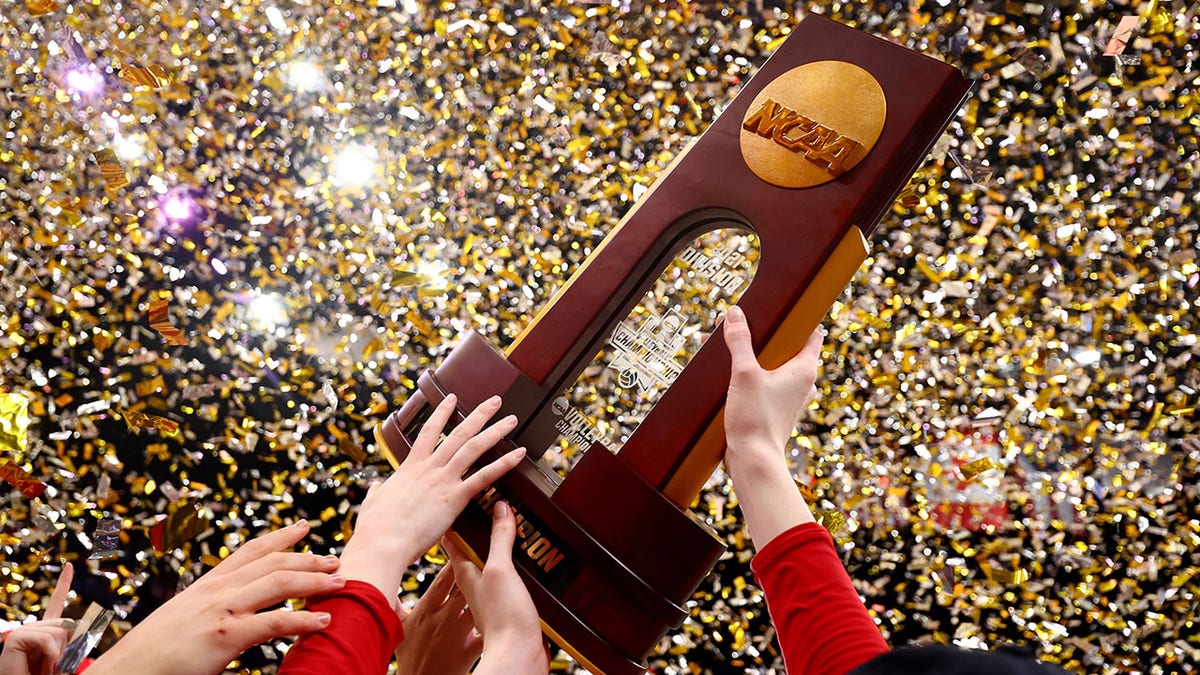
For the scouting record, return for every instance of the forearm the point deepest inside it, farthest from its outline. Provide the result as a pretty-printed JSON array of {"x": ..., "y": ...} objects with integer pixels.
[
  {"x": 766, "y": 492},
  {"x": 514, "y": 656}
]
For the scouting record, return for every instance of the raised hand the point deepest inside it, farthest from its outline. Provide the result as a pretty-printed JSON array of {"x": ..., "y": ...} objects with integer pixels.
[
  {"x": 202, "y": 629},
  {"x": 761, "y": 411},
  {"x": 439, "y": 633},
  {"x": 763, "y": 406},
  {"x": 500, "y": 603},
  {"x": 34, "y": 648},
  {"x": 403, "y": 517}
]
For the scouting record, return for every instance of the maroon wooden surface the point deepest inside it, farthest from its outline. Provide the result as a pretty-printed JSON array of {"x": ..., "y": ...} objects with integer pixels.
[{"x": 712, "y": 187}]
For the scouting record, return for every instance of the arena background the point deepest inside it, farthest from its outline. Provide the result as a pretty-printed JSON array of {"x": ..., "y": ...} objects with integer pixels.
[{"x": 233, "y": 233}]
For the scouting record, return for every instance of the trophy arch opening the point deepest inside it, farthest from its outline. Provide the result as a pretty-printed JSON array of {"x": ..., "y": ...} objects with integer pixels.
[{"x": 650, "y": 346}]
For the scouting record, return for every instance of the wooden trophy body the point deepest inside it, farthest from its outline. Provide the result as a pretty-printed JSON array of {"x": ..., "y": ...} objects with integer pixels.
[{"x": 809, "y": 157}]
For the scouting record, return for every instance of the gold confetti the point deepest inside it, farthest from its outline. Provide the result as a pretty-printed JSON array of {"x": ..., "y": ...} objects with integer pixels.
[
  {"x": 14, "y": 423},
  {"x": 160, "y": 321},
  {"x": 152, "y": 77},
  {"x": 972, "y": 469},
  {"x": 40, "y": 7},
  {"x": 21, "y": 479},
  {"x": 139, "y": 420},
  {"x": 111, "y": 169}
]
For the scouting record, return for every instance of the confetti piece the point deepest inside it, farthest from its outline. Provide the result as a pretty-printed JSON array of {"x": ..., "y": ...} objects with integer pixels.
[
  {"x": 14, "y": 423},
  {"x": 139, "y": 420},
  {"x": 160, "y": 321},
  {"x": 40, "y": 7},
  {"x": 1122, "y": 35},
  {"x": 106, "y": 541},
  {"x": 111, "y": 169},
  {"x": 972, "y": 469},
  {"x": 1005, "y": 576},
  {"x": 152, "y": 77},
  {"x": 88, "y": 632},
  {"x": 185, "y": 523},
  {"x": 21, "y": 479}
]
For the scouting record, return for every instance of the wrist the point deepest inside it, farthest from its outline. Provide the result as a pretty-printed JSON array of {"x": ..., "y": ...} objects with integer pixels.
[
  {"x": 516, "y": 653},
  {"x": 382, "y": 569},
  {"x": 755, "y": 461}
]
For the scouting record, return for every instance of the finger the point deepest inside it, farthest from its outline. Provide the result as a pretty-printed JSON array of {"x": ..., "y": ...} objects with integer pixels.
[
  {"x": 281, "y": 585},
  {"x": 442, "y": 586},
  {"x": 465, "y": 571},
  {"x": 738, "y": 341},
  {"x": 466, "y": 430},
  {"x": 258, "y": 547},
  {"x": 432, "y": 431},
  {"x": 282, "y": 622},
  {"x": 481, "y": 479},
  {"x": 284, "y": 561},
  {"x": 469, "y": 452},
  {"x": 62, "y": 590},
  {"x": 504, "y": 533},
  {"x": 456, "y": 602}
]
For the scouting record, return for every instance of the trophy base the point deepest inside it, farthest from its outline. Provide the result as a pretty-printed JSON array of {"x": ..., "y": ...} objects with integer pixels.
[{"x": 608, "y": 560}]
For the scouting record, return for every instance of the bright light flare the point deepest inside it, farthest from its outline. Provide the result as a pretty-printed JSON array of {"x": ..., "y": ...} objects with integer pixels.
[
  {"x": 267, "y": 310},
  {"x": 178, "y": 207},
  {"x": 84, "y": 79},
  {"x": 305, "y": 76},
  {"x": 354, "y": 166}
]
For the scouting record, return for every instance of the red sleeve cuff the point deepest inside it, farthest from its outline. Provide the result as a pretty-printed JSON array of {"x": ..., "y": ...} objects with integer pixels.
[
  {"x": 822, "y": 625},
  {"x": 799, "y": 536},
  {"x": 363, "y": 631}
]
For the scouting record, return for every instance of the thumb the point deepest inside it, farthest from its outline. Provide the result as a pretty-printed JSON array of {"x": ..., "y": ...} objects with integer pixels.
[
  {"x": 737, "y": 340},
  {"x": 504, "y": 533}
]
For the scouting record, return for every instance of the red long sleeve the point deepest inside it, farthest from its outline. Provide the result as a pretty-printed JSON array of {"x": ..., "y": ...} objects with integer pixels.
[
  {"x": 822, "y": 625},
  {"x": 363, "y": 630}
]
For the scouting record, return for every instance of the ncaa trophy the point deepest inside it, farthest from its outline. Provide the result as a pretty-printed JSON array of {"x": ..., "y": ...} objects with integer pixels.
[{"x": 809, "y": 157}]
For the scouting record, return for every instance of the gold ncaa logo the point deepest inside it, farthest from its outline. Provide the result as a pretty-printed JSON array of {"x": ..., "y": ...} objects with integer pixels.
[{"x": 813, "y": 123}]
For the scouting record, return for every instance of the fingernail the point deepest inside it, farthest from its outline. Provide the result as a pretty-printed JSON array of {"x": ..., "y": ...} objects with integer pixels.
[
  {"x": 337, "y": 579},
  {"x": 495, "y": 400},
  {"x": 518, "y": 451},
  {"x": 323, "y": 619},
  {"x": 501, "y": 509},
  {"x": 511, "y": 419},
  {"x": 300, "y": 524},
  {"x": 735, "y": 315},
  {"x": 69, "y": 624},
  {"x": 332, "y": 560}
]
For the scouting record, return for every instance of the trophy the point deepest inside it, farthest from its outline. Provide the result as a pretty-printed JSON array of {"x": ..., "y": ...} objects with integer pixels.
[{"x": 809, "y": 157}]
